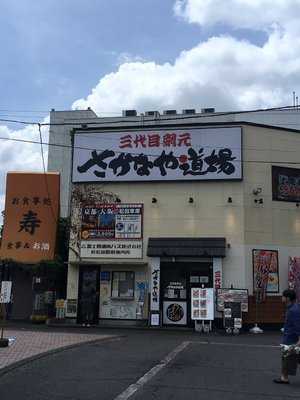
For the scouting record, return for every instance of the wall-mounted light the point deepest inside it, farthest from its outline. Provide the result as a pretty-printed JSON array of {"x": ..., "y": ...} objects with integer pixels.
[
  {"x": 191, "y": 200},
  {"x": 259, "y": 201},
  {"x": 229, "y": 200},
  {"x": 154, "y": 200},
  {"x": 257, "y": 191}
]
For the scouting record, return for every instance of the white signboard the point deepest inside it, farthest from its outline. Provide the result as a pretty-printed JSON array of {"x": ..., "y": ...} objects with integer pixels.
[
  {"x": 154, "y": 319},
  {"x": 202, "y": 304},
  {"x": 128, "y": 226},
  {"x": 154, "y": 283},
  {"x": 158, "y": 155},
  {"x": 174, "y": 312},
  {"x": 5, "y": 291},
  {"x": 111, "y": 249}
]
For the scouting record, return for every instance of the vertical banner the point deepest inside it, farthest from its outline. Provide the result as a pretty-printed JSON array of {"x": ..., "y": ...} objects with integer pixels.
[
  {"x": 31, "y": 215},
  {"x": 217, "y": 271},
  {"x": 154, "y": 290},
  {"x": 294, "y": 275},
  {"x": 265, "y": 273}
]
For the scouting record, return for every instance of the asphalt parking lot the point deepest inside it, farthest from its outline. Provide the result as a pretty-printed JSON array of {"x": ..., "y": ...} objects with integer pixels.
[{"x": 155, "y": 365}]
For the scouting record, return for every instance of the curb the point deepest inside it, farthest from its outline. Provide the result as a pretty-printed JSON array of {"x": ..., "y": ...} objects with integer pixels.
[{"x": 28, "y": 360}]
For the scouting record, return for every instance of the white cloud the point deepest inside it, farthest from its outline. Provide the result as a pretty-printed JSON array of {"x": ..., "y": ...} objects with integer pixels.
[
  {"x": 223, "y": 72},
  {"x": 20, "y": 156},
  {"x": 127, "y": 58},
  {"x": 251, "y": 14}
]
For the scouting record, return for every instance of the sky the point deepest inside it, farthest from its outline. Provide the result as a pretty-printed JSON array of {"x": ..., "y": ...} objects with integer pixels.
[{"x": 142, "y": 54}]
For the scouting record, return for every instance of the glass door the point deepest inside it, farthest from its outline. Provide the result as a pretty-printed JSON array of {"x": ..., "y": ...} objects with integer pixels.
[
  {"x": 88, "y": 295},
  {"x": 174, "y": 294}
]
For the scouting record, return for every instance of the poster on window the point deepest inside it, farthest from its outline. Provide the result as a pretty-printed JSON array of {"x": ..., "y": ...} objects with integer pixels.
[
  {"x": 202, "y": 304},
  {"x": 265, "y": 272},
  {"x": 174, "y": 313},
  {"x": 5, "y": 293},
  {"x": 158, "y": 155},
  {"x": 294, "y": 275},
  {"x": 286, "y": 184}
]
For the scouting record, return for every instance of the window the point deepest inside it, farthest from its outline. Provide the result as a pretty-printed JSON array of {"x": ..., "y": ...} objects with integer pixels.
[{"x": 123, "y": 284}]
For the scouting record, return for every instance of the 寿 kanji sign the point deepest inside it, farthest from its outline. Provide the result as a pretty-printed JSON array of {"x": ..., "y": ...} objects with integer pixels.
[
  {"x": 144, "y": 155},
  {"x": 31, "y": 214}
]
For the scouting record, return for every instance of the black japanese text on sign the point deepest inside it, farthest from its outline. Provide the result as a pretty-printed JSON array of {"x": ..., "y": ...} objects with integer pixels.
[{"x": 202, "y": 154}]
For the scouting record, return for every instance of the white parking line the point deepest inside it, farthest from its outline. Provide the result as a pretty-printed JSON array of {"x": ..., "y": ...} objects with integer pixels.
[
  {"x": 151, "y": 373},
  {"x": 270, "y": 346}
]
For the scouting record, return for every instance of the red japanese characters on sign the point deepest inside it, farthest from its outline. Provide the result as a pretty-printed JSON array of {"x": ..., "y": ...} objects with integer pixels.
[
  {"x": 155, "y": 140},
  {"x": 218, "y": 280}
]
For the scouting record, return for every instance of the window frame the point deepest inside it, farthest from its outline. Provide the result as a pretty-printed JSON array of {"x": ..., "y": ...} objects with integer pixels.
[{"x": 112, "y": 288}]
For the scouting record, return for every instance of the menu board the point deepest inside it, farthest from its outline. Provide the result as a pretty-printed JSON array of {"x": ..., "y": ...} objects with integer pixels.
[
  {"x": 202, "y": 304},
  {"x": 232, "y": 296},
  {"x": 232, "y": 315}
]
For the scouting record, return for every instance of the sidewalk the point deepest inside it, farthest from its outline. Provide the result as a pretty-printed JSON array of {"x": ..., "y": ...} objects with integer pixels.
[{"x": 34, "y": 343}]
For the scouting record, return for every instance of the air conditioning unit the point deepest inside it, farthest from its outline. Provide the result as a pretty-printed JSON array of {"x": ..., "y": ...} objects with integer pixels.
[
  {"x": 207, "y": 110},
  {"x": 189, "y": 111},
  {"x": 151, "y": 113},
  {"x": 170, "y": 112},
  {"x": 129, "y": 113}
]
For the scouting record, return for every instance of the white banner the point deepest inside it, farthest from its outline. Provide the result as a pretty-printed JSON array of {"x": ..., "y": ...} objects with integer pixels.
[
  {"x": 202, "y": 306},
  {"x": 5, "y": 291},
  {"x": 154, "y": 283},
  {"x": 158, "y": 155},
  {"x": 111, "y": 249}
]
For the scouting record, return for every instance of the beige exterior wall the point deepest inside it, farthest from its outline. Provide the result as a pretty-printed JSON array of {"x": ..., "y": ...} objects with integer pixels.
[
  {"x": 275, "y": 225},
  {"x": 245, "y": 224}
]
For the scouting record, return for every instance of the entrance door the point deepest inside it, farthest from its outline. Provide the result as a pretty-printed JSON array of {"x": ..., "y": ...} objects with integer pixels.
[
  {"x": 177, "y": 279},
  {"x": 173, "y": 294},
  {"x": 88, "y": 295}
]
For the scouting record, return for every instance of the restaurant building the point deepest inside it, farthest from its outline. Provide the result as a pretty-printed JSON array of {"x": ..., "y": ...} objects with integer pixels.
[
  {"x": 159, "y": 207},
  {"x": 28, "y": 244}
]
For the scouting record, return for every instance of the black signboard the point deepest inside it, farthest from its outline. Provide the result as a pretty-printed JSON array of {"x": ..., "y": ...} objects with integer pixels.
[
  {"x": 286, "y": 184},
  {"x": 232, "y": 313}
]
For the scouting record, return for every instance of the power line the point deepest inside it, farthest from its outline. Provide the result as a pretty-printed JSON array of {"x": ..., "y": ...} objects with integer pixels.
[
  {"x": 178, "y": 117},
  {"x": 13, "y": 115},
  {"x": 149, "y": 155}
]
